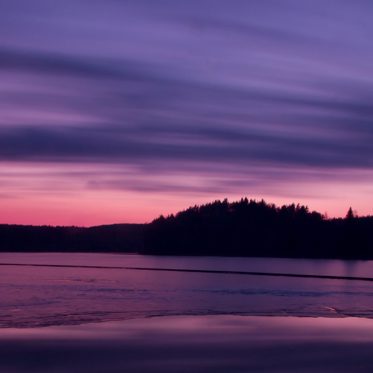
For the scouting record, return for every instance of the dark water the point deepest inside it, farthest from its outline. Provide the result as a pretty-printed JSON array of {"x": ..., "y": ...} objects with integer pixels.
[
  {"x": 41, "y": 296},
  {"x": 217, "y": 344}
]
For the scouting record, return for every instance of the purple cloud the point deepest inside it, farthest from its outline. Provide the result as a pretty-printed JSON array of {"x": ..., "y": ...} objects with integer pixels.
[{"x": 207, "y": 84}]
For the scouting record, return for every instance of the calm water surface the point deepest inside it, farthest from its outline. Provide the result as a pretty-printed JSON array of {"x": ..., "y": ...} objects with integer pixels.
[
  {"x": 41, "y": 296},
  {"x": 184, "y": 344}
]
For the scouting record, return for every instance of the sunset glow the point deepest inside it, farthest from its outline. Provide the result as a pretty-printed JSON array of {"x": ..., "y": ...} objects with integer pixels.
[{"x": 119, "y": 111}]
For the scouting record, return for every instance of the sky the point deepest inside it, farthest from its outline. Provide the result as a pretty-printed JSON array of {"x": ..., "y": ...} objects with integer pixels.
[{"x": 117, "y": 111}]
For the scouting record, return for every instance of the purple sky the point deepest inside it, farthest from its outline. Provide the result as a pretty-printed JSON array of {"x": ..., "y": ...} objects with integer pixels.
[{"x": 117, "y": 111}]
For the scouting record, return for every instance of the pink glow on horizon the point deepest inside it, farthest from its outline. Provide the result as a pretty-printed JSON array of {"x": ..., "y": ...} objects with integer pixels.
[
  {"x": 111, "y": 207},
  {"x": 85, "y": 195}
]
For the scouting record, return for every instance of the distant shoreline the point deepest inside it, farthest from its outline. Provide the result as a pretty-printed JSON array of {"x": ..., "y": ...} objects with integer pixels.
[{"x": 246, "y": 228}]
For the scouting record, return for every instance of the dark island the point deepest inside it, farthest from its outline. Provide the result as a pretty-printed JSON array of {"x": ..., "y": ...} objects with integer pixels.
[{"x": 242, "y": 228}]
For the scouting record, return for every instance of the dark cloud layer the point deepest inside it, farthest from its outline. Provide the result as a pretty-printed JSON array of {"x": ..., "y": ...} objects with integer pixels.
[
  {"x": 138, "y": 146},
  {"x": 233, "y": 83}
]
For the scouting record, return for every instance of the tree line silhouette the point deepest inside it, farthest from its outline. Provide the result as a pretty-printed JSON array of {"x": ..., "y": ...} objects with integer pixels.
[
  {"x": 106, "y": 238},
  {"x": 242, "y": 228},
  {"x": 256, "y": 228}
]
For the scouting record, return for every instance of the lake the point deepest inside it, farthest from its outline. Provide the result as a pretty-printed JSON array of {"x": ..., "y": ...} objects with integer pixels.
[
  {"x": 184, "y": 344},
  {"x": 48, "y": 296},
  {"x": 89, "y": 313}
]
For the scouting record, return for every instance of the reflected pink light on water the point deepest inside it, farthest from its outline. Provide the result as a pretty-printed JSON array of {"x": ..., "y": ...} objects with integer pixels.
[
  {"x": 76, "y": 318},
  {"x": 275, "y": 328},
  {"x": 84, "y": 293},
  {"x": 184, "y": 344}
]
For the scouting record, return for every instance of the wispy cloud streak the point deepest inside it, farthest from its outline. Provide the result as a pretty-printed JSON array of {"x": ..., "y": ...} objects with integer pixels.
[{"x": 201, "y": 86}]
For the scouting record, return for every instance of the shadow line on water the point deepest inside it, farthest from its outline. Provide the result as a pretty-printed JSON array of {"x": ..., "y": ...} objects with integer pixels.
[{"x": 211, "y": 271}]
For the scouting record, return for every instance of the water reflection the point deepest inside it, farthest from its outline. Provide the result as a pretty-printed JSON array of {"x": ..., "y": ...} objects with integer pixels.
[
  {"x": 354, "y": 268},
  {"x": 185, "y": 344},
  {"x": 42, "y": 296}
]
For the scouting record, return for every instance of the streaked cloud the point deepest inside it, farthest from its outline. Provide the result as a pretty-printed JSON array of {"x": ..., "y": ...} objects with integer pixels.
[{"x": 235, "y": 96}]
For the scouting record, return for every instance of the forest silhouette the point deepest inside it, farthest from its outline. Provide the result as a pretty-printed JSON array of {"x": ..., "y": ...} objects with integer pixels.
[{"x": 242, "y": 228}]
